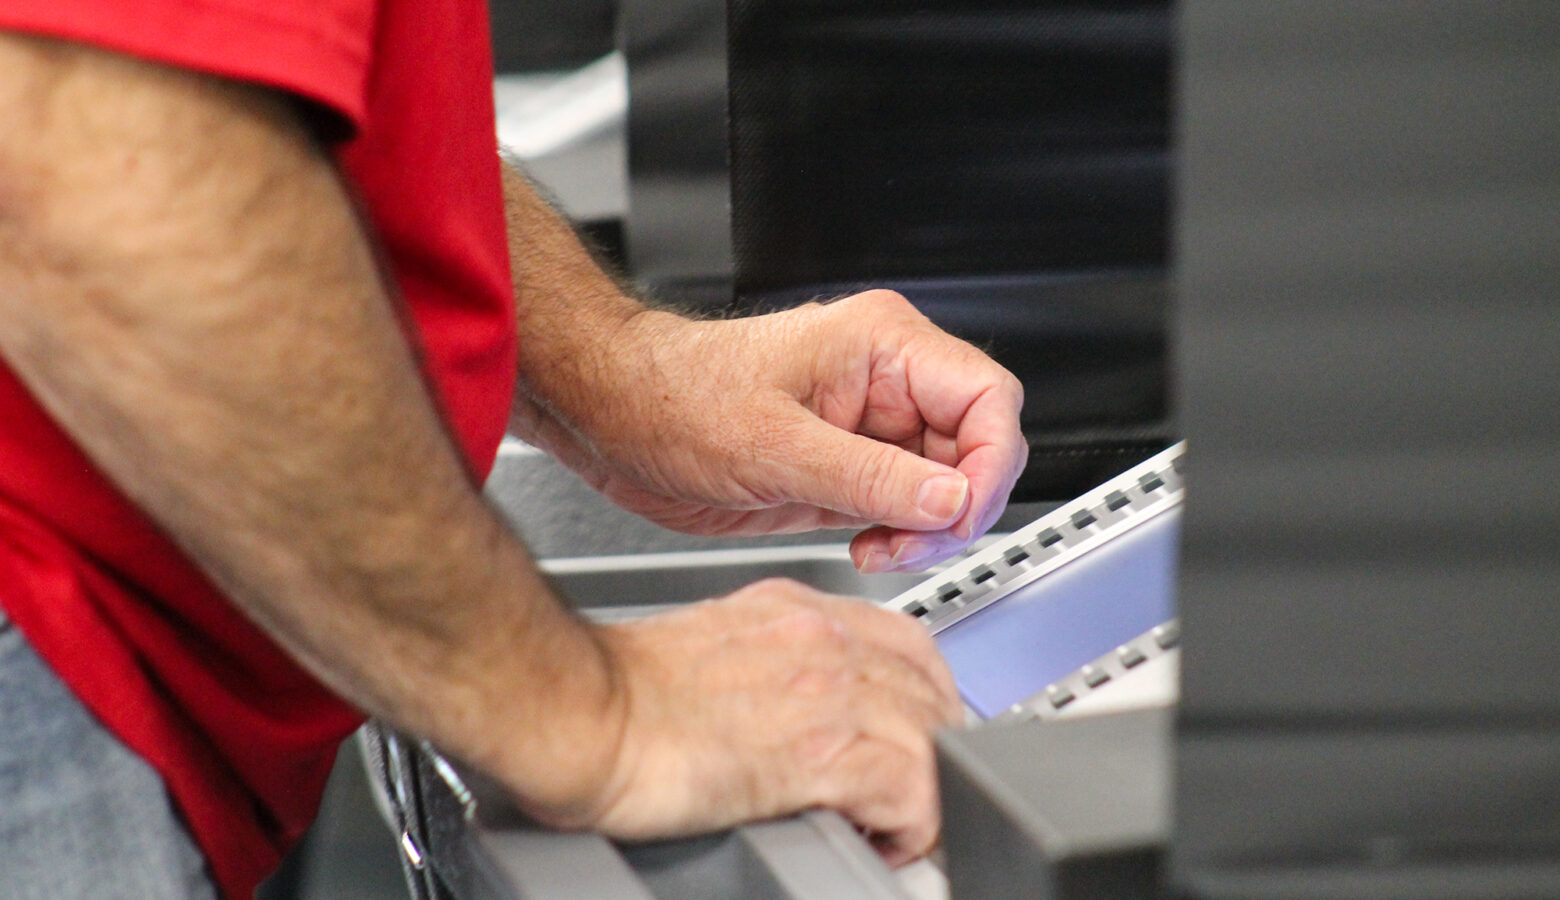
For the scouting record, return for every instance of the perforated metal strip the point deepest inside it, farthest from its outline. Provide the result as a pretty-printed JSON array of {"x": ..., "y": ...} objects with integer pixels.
[
  {"x": 1045, "y": 545},
  {"x": 1112, "y": 667}
]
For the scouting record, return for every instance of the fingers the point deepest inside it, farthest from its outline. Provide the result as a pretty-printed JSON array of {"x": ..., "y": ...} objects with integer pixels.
[
  {"x": 875, "y": 764},
  {"x": 971, "y": 408},
  {"x": 858, "y": 477},
  {"x": 892, "y": 798},
  {"x": 896, "y": 422},
  {"x": 992, "y": 453},
  {"x": 881, "y": 646},
  {"x": 906, "y": 638},
  {"x": 777, "y": 699},
  {"x": 960, "y": 394},
  {"x": 884, "y": 549},
  {"x": 992, "y": 474},
  {"x": 988, "y": 442},
  {"x": 935, "y": 444},
  {"x": 871, "y": 757}
]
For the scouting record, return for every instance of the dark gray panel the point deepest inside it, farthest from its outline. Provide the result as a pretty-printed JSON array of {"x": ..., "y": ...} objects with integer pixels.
[
  {"x": 545, "y": 35},
  {"x": 678, "y": 232},
  {"x": 1068, "y": 809},
  {"x": 1471, "y": 641},
  {"x": 879, "y": 139},
  {"x": 1420, "y": 814},
  {"x": 1368, "y": 346}
]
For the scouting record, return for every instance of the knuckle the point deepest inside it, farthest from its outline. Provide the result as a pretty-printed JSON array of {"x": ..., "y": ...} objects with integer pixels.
[
  {"x": 819, "y": 748},
  {"x": 882, "y": 296},
  {"x": 890, "y": 299},
  {"x": 891, "y": 304},
  {"x": 915, "y": 638},
  {"x": 1013, "y": 388},
  {"x": 919, "y": 841},
  {"x": 774, "y": 584},
  {"x": 769, "y": 593},
  {"x": 921, "y": 652},
  {"x": 914, "y": 633},
  {"x": 919, "y": 794},
  {"x": 814, "y": 629},
  {"x": 817, "y": 682},
  {"x": 919, "y": 804}
]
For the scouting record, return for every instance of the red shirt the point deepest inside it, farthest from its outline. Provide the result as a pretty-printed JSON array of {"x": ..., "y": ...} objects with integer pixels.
[{"x": 244, "y": 738}]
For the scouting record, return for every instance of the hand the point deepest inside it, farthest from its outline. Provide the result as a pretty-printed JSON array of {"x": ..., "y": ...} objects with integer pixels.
[
  {"x": 855, "y": 413},
  {"x": 776, "y": 699}
]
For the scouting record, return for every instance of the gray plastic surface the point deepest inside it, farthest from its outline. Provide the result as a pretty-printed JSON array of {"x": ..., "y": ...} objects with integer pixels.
[
  {"x": 1057, "y": 810},
  {"x": 545, "y": 865},
  {"x": 816, "y": 856}
]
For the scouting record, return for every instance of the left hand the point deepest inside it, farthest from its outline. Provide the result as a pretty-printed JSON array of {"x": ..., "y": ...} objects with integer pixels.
[
  {"x": 774, "y": 699},
  {"x": 856, "y": 413}
]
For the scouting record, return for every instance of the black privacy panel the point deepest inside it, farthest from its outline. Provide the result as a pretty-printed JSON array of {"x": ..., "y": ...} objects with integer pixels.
[
  {"x": 1005, "y": 165},
  {"x": 876, "y": 139}
]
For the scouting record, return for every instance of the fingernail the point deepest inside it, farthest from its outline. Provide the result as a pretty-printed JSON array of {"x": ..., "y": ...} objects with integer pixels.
[
  {"x": 912, "y": 552},
  {"x": 875, "y": 561},
  {"x": 942, "y": 496}
]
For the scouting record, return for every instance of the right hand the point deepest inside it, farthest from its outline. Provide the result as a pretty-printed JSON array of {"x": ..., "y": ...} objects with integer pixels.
[
  {"x": 776, "y": 699},
  {"x": 834, "y": 415}
]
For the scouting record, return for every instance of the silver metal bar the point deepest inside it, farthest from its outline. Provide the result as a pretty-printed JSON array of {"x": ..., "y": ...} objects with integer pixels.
[
  {"x": 819, "y": 856},
  {"x": 1045, "y": 545}
]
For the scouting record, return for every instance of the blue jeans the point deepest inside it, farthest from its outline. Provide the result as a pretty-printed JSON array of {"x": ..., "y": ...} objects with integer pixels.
[{"x": 80, "y": 815}]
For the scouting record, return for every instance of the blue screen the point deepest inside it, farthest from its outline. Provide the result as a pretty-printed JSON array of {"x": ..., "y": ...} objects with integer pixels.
[{"x": 1011, "y": 650}]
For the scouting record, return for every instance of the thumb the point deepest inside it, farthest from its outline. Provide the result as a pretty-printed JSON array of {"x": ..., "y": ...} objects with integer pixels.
[{"x": 835, "y": 469}]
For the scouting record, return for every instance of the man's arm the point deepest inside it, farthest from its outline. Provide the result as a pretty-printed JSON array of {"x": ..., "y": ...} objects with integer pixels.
[
  {"x": 857, "y": 413},
  {"x": 185, "y": 287}
]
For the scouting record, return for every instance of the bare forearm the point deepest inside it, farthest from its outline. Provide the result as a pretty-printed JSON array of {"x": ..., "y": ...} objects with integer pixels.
[
  {"x": 185, "y": 287},
  {"x": 580, "y": 333}
]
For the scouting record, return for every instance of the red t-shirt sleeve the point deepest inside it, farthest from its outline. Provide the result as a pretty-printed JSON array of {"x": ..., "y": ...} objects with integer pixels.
[{"x": 317, "y": 49}]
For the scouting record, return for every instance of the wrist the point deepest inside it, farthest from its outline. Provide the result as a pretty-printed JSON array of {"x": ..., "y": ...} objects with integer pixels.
[
  {"x": 560, "y": 748},
  {"x": 580, "y": 390}
]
